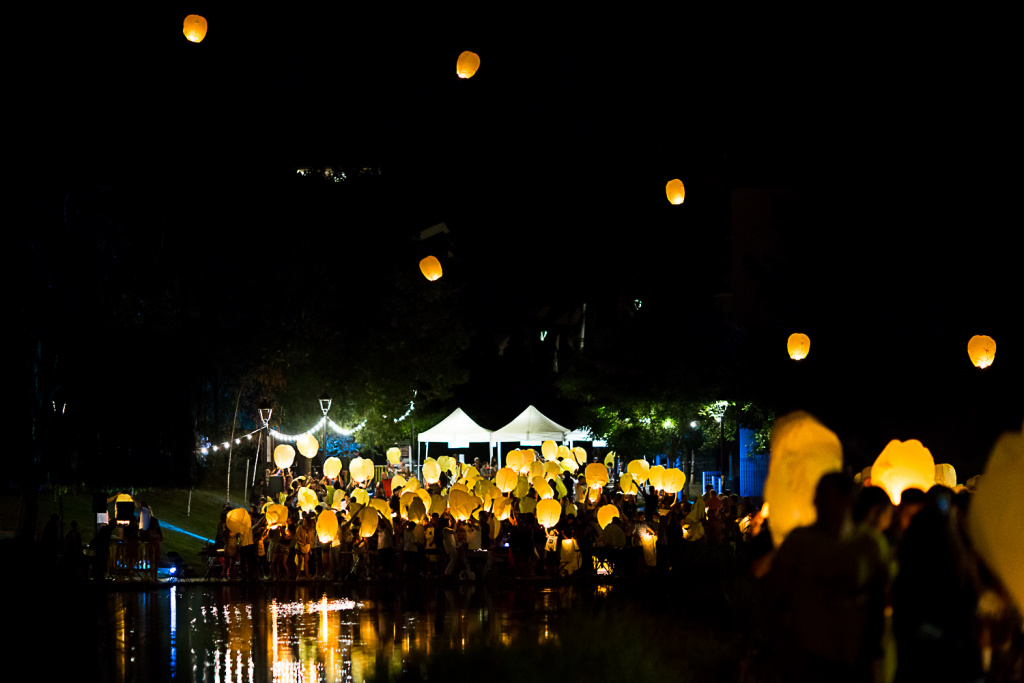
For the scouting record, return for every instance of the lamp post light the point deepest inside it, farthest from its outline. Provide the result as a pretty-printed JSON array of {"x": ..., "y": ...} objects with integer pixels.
[{"x": 325, "y": 405}]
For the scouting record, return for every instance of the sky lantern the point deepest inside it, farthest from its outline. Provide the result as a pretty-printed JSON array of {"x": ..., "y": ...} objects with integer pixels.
[
  {"x": 332, "y": 467},
  {"x": 640, "y": 469},
  {"x": 284, "y": 456},
  {"x": 394, "y": 455},
  {"x": 467, "y": 64},
  {"x": 238, "y": 520},
  {"x": 541, "y": 486},
  {"x": 534, "y": 469},
  {"x": 327, "y": 526},
  {"x": 506, "y": 479},
  {"x": 798, "y": 345},
  {"x": 276, "y": 515},
  {"x": 609, "y": 460},
  {"x": 549, "y": 450},
  {"x": 628, "y": 484},
  {"x": 945, "y": 475},
  {"x": 417, "y": 511},
  {"x": 361, "y": 470},
  {"x": 368, "y": 521},
  {"x": 307, "y": 500},
  {"x": 802, "y": 450},
  {"x": 993, "y": 518},
  {"x": 569, "y": 464},
  {"x": 361, "y": 496},
  {"x": 656, "y": 477},
  {"x": 597, "y": 475},
  {"x": 413, "y": 484},
  {"x": 606, "y": 514},
  {"x": 673, "y": 480},
  {"x": 552, "y": 470},
  {"x": 982, "y": 350},
  {"x": 431, "y": 471},
  {"x": 307, "y": 445},
  {"x": 514, "y": 460},
  {"x": 462, "y": 504},
  {"x": 580, "y": 455},
  {"x": 548, "y": 513},
  {"x": 431, "y": 268},
  {"x": 502, "y": 508},
  {"x": 900, "y": 466},
  {"x": 675, "y": 191},
  {"x": 194, "y": 28},
  {"x": 398, "y": 482}
]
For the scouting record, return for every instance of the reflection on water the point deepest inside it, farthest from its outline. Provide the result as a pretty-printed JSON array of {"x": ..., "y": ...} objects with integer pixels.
[{"x": 316, "y": 633}]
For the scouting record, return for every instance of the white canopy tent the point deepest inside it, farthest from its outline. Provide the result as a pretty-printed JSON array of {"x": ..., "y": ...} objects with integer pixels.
[
  {"x": 458, "y": 430},
  {"x": 530, "y": 426}
]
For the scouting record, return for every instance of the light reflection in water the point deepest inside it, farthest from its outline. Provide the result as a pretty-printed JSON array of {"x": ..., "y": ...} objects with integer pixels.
[{"x": 238, "y": 634}]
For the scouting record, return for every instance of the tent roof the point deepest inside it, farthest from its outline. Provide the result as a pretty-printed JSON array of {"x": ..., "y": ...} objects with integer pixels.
[
  {"x": 456, "y": 427},
  {"x": 531, "y": 425}
]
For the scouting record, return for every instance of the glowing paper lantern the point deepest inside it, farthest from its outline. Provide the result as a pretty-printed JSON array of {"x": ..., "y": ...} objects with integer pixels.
[
  {"x": 982, "y": 350},
  {"x": 675, "y": 191},
  {"x": 431, "y": 268},
  {"x": 900, "y": 466},
  {"x": 361, "y": 496},
  {"x": 802, "y": 450},
  {"x": 596, "y": 474},
  {"x": 438, "y": 504},
  {"x": 462, "y": 504},
  {"x": 502, "y": 508},
  {"x": 361, "y": 470},
  {"x": 522, "y": 488},
  {"x": 609, "y": 460},
  {"x": 533, "y": 470},
  {"x": 194, "y": 28},
  {"x": 394, "y": 455},
  {"x": 398, "y": 482},
  {"x": 123, "y": 498},
  {"x": 307, "y": 500},
  {"x": 276, "y": 515},
  {"x": 284, "y": 456},
  {"x": 570, "y": 556},
  {"x": 569, "y": 464},
  {"x": 413, "y": 484},
  {"x": 327, "y": 526},
  {"x": 368, "y": 521},
  {"x": 404, "y": 502},
  {"x": 381, "y": 506},
  {"x": 606, "y": 514},
  {"x": 514, "y": 460},
  {"x": 594, "y": 495},
  {"x": 673, "y": 480},
  {"x": 467, "y": 64},
  {"x": 506, "y": 479},
  {"x": 640, "y": 469},
  {"x": 798, "y": 345},
  {"x": 541, "y": 486},
  {"x": 945, "y": 475},
  {"x": 548, "y": 513},
  {"x": 649, "y": 540},
  {"x": 431, "y": 471},
  {"x": 552, "y": 470},
  {"x": 447, "y": 463},
  {"x": 560, "y": 488},
  {"x": 580, "y": 455},
  {"x": 307, "y": 445},
  {"x": 417, "y": 511},
  {"x": 549, "y": 450},
  {"x": 332, "y": 467},
  {"x": 238, "y": 520},
  {"x": 993, "y": 518},
  {"x": 628, "y": 484},
  {"x": 656, "y": 477}
]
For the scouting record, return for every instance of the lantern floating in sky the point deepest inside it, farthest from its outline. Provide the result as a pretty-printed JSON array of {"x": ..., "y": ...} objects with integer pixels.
[
  {"x": 361, "y": 469},
  {"x": 798, "y": 345},
  {"x": 467, "y": 64},
  {"x": 194, "y": 28},
  {"x": 656, "y": 477},
  {"x": 431, "y": 268},
  {"x": 982, "y": 350},
  {"x": 900, "y": 466},
  {"x": 993, "y": 518},
  {"x": 284, "y": 456},
  {"x": 802, "y": 450},
  {"x": 675, "y": 191},
  {"x": 307, "y": 445}
]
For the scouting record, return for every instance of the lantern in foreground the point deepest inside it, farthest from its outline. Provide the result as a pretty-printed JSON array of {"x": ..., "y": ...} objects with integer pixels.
[
  {"x": 945, "y": 475},
  {"x": 656, "y": 477},
  {"x": 368, "y": 521},
  {"x": 361, "y": 496},
  {"x": 307, "y": 499},
  {"x": 993, "y": 518},
  {"x": 640, "y": 469},
  {"x": 467, "y": 64},
  {"x": 606, "y": 514},
  {"x": 431, "y": 471},
  {"x": 798, "y": 345},
  {"x": 982, "y": 350},
  {"x": 628, "y": 484},
  {"x": 194, "y": 28},
  {"x": 284, "y": 456},
  {"x": 276, "y": 515},
  {"x": 238, "y": 520},
  {"x": 900, "y": 466},
  {"x": 327, "y": 526},
  {"x": 431, "y": 268},
  {"x": 675, "y": 191},
  {"x": 802, "y": 450},
  {"x": 332, "y": 467},
  {"x": 596, "y": 474},
  {"x": 307, "y": 445},
  {"x": 361, "y": 469},
  {"x": 506, "y": 479},
  {"x": 548, "y": 513},
  {"x": 673, "y": 480}
]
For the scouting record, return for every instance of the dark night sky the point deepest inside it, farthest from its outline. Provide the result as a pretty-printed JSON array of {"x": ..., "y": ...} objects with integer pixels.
[{"x": 895, "y": 131}]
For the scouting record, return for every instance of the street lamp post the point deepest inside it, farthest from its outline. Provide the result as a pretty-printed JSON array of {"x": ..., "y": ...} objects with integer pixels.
[{"x": 325, "y": 405}]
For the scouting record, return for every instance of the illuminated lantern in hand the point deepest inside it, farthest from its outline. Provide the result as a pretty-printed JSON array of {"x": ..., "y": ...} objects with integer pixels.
[
  {"x": 514, "y": 460},
  {"x": 327, "y": 526},
  {"x": 580, "y": 455},
  {"x": 640, "y": 469},
  {"x": 799, "y": 345},
  {"x": 307, "y": 445},
  {"x": 431, "y": 268},
  {"x": 606, "y": 514},
  {"x": 368, "y": 521},
  {"x": 361, "y": 496},
  {"x": 417, "y": 511},
  {"x": 628, "y": 484},
  {"x": 982, "y": 350},
  {"x": 413, "y": 484},
  {"x": 502, "y": 508},
  {"x": 675, "y": 191},
  {"x": 394, "y": 455},
  {"x": 398, "y": 482},
  {"x": 431, "y": 471},
  {"x": 522, "y": 488},
  {"x": 462, "y": 504},
  {"x": 673, "y": 480},
  {"x": 802, "y": 450},
  {"x": 549, "y": 450},
  {"x": 541, "y": 486},
  {"x": 594, "y": 495},
  {"x": 506, "y": 479},
  {"x": 194, "y": 28},
  {"x": 467, "y": 64},
  {"x": 596, "y": 474},
  {"x": 238, "y": 521},
  {"x": 656, "y": 477},
  {"x": 276, "y": 515},
  {"x": 548, "y": 513},
  {"x": 993, "y": 518},
  {"x": 900, "y": 466},
  {"x": 307, "y": 499},
  {"x": 332, "y": 467},
  {"x": 361, "y": 470},
  {"x": 945, "y": 475},
  {"x": 552, "y": 470},
  {"x": 284, "y": 456},
  {"x": 569, "y": 464}
]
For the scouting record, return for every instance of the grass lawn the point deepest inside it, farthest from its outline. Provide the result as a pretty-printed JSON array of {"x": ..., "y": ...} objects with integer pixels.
[{"x": 170, "y": 506}]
